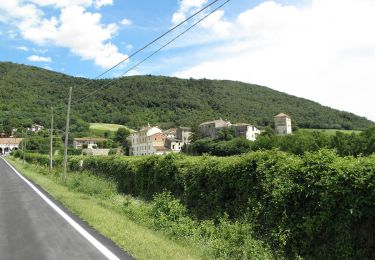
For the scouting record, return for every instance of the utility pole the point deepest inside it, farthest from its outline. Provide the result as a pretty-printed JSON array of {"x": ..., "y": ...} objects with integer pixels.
[
  {"x": 67, "y": 136},
  {"x": 51, "y": 142},
  {"x": 23, "y": 147}
]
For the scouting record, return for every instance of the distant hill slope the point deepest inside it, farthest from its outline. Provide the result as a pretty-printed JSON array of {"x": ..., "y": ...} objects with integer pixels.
[{"x": 27, "y": 93}]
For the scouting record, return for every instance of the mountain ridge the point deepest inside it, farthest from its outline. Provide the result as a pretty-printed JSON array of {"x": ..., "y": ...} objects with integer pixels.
[{"x": 166, "y": 101}]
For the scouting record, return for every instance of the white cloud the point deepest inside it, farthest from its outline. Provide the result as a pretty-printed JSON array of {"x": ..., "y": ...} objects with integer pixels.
[
  {"x": 36, "y": 58},
  {"x": 76, "y": 29},
  {"x": 186, "y": 8},
  {"x": 129, "y": 47},
  {"x": 324, "y": 52},
  {"x": 22, "y": 48},
  {"x": 126, "y": 22},
  {"x": 100, "y": 3}
]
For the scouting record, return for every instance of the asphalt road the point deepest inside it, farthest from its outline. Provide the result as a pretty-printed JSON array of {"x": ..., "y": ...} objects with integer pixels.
[{"x": 32, "y": 229}]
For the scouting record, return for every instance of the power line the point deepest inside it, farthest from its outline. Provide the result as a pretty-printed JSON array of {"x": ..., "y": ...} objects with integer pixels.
[
  {"x": 155, "y": 52},
  {"x": 158, "y": 38},
  {"x": 149, "y": 44}
]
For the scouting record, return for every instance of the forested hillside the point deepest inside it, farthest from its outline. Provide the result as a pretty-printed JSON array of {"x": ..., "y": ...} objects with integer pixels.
[{"x": 27, "y": 93}]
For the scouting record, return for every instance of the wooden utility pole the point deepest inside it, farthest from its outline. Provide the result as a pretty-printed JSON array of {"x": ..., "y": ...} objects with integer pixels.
[
  {"x": 23, "y": 147},
  {"x": 51, "y": 142},
  {"x": 66, "y": 137}
]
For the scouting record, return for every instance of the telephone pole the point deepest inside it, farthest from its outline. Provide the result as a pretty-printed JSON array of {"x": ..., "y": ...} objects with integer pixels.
[
  {"x": 51, "y": 142},
  {"x": 23, "y": 147},
  {"x": 66, "y": 137}
]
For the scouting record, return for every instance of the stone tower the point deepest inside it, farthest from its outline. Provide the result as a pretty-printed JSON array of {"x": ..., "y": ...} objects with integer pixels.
[{"x": 283, "y": 124}]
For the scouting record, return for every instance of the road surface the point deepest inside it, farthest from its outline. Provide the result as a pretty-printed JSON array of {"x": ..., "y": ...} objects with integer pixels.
[{"x": 30, "y": 228}]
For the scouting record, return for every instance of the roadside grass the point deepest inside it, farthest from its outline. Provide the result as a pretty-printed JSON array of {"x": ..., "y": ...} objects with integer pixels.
[
  {"x": 332, "y": 131},
  {"x": 97, "y": 202}
]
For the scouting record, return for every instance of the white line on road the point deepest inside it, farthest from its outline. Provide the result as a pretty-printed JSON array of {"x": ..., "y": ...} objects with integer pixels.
[{"x": 105, "y": 251}]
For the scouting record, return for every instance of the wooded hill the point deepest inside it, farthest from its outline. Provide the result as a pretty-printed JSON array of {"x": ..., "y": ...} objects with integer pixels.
[{"x": 27, "y": 94}]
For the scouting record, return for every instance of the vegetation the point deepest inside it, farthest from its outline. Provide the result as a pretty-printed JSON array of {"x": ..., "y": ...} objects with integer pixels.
[
  {"x": 135, "y": 101},
  {"x": 129, "y": 222},
  {"x": 314, "y": 206},
  {"x": 300, "y": 142}
]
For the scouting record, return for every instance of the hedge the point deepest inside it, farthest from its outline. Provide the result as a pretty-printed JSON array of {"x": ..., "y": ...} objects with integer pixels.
[{"x": 318, "y": 205}]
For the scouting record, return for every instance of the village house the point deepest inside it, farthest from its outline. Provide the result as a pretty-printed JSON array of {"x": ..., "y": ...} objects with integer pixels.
[
  {"x": 154, "y": 141},
  {"x": 210, "y": 129},
  {"x": 87, "y": 142},
  {"x": 170, "y": 133},
  {"x": 283, "y": 124},
  {"x": 183, "y": 134},
  {"x": 250, "y": 132},
  {"x": 9, "y": 144},
  {"x": 147, "y": 141},
  {"x": 35, "y": 128}
]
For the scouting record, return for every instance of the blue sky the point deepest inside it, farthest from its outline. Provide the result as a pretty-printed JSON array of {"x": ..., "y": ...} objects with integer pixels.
[{"x": 317, "y": 49}]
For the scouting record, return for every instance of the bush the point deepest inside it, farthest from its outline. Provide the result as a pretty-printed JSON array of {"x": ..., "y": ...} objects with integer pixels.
[{"x": 318, "y": 205}]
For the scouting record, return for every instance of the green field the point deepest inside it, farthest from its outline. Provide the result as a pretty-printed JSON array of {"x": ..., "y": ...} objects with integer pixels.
[
  {"x": 98, "y": 129},
  {"x": 106, "y": 127},
  {"x": 332, "y": 131}
]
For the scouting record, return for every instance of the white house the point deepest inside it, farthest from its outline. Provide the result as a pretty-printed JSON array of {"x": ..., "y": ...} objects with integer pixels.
[
  {"x": 35, "y": 128},
  {"x": 147, "y": 141},
  {"x": 248, "y": 131},
  {"x": 283, "y": 124},
  {"x": 9, "y": 144}
]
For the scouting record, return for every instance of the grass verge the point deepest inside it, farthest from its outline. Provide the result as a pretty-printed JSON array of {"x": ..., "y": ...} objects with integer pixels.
[{"x": 96, "y": 201}]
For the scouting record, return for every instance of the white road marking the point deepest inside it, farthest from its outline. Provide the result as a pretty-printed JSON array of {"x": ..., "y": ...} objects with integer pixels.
[{"x": 105, "y": 251}]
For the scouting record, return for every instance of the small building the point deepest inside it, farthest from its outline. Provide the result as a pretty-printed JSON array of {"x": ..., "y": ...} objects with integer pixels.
[
  {"x": 248, "y": 131},
  {"x": 170, "y": 133},
  {"x": 173, "y": 144},
  {"x": 283, "y": 124},
  {"x": 211, "y": 128},
  {"x": 183, "y": 134},
  {"x": 35, "y": 128},
  {"x": 147, "y": 141},
  {"x": 89, "y": 142},
  {"x": 9, "y": 144}
]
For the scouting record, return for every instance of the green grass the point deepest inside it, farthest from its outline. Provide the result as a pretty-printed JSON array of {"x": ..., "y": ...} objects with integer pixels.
[
  {"x": 98, "y": 129},
  {"x": 332, "y": 131},
  {"x": 96, "y": 201},
  {"x": 106, "y": 127}
]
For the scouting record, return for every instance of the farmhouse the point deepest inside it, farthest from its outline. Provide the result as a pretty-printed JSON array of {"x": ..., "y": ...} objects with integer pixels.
[
  {"x": 250, "y": 132},
  {"x": 211, "y": 128},
  {"x": 153, "y": 140},
  {"x": 35, "y": 128},
  {"x": 9, "y": 144},
  {"x": 148, "y": 140}
]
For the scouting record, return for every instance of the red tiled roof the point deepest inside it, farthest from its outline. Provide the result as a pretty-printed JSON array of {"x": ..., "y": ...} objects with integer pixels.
[{"x": 10, "y": 140}]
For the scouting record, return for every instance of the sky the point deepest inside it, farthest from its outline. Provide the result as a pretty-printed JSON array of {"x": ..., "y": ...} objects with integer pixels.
[{"x": 322, "y": 50}]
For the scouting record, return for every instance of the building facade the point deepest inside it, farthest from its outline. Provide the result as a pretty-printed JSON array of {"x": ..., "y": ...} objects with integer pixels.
[
  {"x": 283, "y": 124},
  {"x": 211, "y": 128},
  {"x": 7, "y": 145},
  {"x": 183, "y": 134},
  {"x": 248, "y": 131},
  {"x": 148, "y": 141}
]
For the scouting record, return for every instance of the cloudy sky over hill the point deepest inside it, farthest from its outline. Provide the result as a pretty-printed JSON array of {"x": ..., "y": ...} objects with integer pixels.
[{"x": 322, "y": 50}]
